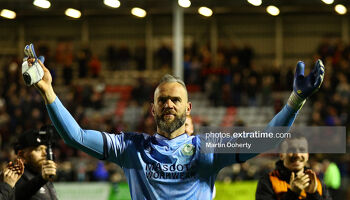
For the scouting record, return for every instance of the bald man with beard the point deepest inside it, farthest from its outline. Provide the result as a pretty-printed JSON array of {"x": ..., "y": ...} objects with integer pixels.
[{"x": 168, "y": 164}]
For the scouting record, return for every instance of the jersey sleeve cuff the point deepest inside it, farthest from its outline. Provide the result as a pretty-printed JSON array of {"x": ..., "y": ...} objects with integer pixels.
[
  {"x": 53, "y": 103},
  {"x": 295, "y": 101}
]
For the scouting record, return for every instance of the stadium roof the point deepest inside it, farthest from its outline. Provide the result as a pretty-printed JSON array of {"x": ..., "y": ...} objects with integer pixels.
[{"x": 26, "y": 8}]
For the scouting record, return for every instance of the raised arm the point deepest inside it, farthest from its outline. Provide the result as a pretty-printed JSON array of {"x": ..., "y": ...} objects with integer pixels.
[
  {"x": 95, "y": 143},
  {"x": 303, "y": 87},
  {"x": 89, "y": 141}
]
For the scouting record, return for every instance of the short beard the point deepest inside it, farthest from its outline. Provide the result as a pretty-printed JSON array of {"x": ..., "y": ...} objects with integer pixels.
[
  {"x": 170, "y": 126},
  {"x": 33, "y": 166}
]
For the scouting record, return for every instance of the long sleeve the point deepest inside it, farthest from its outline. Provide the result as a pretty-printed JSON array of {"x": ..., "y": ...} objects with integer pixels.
[
  {"x": 264, "y": 189},
  {"x": 317, "y": 196},
  {"x": 89, "y": 141},
  {"x": 6, "y": 192},
  {"x": 95, "y": 143},
  {"x": 284, "y": 119},
  {"x": 25, "y": 189}
]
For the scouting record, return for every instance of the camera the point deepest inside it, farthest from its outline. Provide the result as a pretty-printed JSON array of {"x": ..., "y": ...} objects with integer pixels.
[
  {"x": 34, "y": 73},
  {"x": 47, "y": 134}
]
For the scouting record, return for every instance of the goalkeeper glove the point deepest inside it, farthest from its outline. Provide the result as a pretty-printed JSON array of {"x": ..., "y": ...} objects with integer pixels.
[{"x": 304, "y": 87}]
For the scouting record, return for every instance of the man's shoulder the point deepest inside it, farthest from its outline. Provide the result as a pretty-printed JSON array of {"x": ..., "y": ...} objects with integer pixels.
[
  {"x": 27, "y": 175},
  {"x": 133, "y": 137},
  {"x": 24, "y": 179},
  {"x": 6, "y": 191},
  {"x": 137, "y": 135},
  {"x": 265, "y": 176},
  {"x": 5, "y": 187},
  {"x": 131, "y": 134}
]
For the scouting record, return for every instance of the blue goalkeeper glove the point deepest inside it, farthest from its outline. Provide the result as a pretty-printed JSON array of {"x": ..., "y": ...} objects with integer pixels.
[{"x": 304, "y": 87}]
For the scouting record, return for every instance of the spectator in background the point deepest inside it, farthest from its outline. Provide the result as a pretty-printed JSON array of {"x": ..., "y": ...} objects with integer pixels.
[
  {"x": 10, "y": 175},
  {"x": 325, "y": 48},
  {"x": 237, "y": 87},
  {"x": 100, "y": 173},
  {"x": 226, "y": 95},
  {"x": 147, "y": 125},
  {"x": 39, "y": 172},
  {"x": 214, "y": 90},
  {"x": 111, "y": 57},
  {"x": 245, "y": 56},
  {"x": 189, "y": 129},
  {"x": 140, "y": 57},
  {"x": 205, "y": 57},
  {"x": 64, "y": 56},
  {"x": 252, "y": 89},
  {"x": 164, "y": 56},
  {"x": 95, "y": 66},
  {"x": 343, "y": 88},
  {"x": 332, "y": 117},
  {"x": 187, "y": 67},
  {"x": 83, "y": 58},
  {"x": 8, "y": 154},
  {"x": 11, "y": 75},
  {"x": 4, "y": 116},
  {"x": 98, "y": 94},
  {"x": 123, "y": 57},
  {"x": 332, "y": 177},
  {"x": 291, "y": 179},
  {"x": 266, "y": 91},
  {"x": 142, "y": 91},
  {"x": 44, "y": 50},
  {"x": 65, "y": 173}
]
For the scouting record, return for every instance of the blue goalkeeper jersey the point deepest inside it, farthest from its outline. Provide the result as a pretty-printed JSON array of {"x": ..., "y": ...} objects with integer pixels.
[{"x": 155, "y": 167}]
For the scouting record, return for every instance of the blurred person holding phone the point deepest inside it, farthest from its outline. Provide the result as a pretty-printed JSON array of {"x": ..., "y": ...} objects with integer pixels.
[{"x": 36, "y": 182}]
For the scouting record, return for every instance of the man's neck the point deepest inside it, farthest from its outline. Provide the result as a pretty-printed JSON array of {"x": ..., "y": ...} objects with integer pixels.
[
  {"x": 31, "y": 169},
  {"x": 172, "y": 135}
]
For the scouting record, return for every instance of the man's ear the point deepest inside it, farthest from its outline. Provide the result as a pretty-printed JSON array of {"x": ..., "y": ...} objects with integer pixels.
[
  {"x": 152, "y": 109},
  {"x": 189, "y": 108}
]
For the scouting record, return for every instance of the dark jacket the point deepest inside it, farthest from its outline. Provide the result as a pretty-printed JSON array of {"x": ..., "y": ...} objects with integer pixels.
[
  {"x": 32, "y": 186},
  {"x": 6, "y": 191},
  {"x": 265, "y": 189}
]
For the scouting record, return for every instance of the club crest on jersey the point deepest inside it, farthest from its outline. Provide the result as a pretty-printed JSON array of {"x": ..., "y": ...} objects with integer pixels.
[{"x": 188, "y": 150}]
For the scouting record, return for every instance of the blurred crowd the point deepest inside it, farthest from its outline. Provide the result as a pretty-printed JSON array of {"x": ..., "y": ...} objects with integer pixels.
[{"x": 232, "y": 79}]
